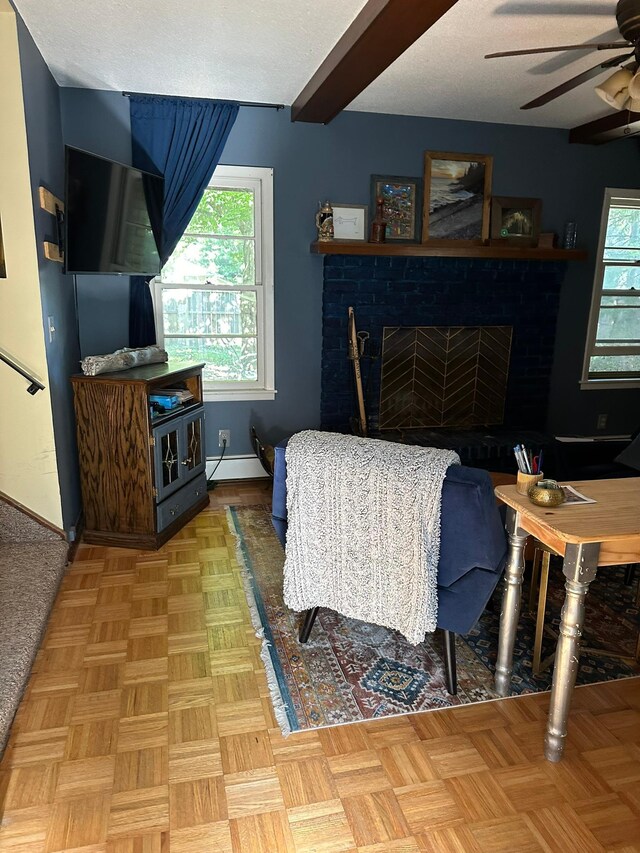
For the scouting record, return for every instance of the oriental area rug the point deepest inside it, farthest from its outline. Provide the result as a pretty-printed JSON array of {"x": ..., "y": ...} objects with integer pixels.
[{"x": 350, "y": 671}]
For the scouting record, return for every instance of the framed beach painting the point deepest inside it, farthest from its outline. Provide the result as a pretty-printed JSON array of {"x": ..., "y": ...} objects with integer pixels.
[
  {"x": 457, "y": 197},
  {"x": 402, "y": 206}
]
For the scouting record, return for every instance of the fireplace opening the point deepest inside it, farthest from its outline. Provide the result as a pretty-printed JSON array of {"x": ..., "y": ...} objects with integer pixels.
[{"x": 443, "y": 376}]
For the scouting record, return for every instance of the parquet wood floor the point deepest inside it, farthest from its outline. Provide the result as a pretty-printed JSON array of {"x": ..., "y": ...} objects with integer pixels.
[{"x": 147, "y": 728}]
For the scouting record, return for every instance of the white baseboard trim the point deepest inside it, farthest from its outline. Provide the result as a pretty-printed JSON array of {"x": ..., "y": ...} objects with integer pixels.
[{"x": 236, "y": 468}]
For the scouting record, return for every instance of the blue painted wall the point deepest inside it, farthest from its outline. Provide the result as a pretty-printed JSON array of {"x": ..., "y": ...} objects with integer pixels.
[
  {"x": 315, "y": 162},
  {"x": 46, "y": 164}
]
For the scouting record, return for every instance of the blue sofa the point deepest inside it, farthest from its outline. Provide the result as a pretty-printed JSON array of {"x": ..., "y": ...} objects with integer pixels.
[{"x": 473, "y": 549}]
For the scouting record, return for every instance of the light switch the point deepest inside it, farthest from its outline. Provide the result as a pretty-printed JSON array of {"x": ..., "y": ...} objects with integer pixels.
[{"x": 52, "y": 329}]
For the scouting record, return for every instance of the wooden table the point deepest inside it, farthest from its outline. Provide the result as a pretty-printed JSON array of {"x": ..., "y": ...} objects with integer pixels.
[{"x": 606, "y": 533}]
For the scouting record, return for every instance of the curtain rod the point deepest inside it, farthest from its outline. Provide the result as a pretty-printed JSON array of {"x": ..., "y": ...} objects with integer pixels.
[{"x": 186, "y": 98}]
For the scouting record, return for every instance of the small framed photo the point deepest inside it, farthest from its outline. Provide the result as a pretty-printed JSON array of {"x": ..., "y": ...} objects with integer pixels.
[
  {"x": 515, "y": 220},
  {"x": 402, "y": 206},
  {"x": 457, "y": 197},
  {"x": 349, "y": 221}
]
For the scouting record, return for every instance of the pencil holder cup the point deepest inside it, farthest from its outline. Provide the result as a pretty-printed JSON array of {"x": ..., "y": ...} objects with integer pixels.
[{"x": 525, "y": 481}]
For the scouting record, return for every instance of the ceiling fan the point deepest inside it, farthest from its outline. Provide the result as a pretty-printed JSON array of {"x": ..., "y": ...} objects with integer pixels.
[{"x": 622, "y": 89}]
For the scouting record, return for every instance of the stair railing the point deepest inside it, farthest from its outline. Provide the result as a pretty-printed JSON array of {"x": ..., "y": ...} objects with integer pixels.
[{"x": 34, "y": 385}]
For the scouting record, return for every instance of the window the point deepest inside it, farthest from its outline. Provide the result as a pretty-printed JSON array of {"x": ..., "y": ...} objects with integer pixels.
[
  {"x": 612, "y": 357},
  {"x": 214, "y": 296}
]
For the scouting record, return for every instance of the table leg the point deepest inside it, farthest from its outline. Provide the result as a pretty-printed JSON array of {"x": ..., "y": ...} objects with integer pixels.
[
  {"x": 510, "y": 602},
  {"x": 580, "y": 567}
]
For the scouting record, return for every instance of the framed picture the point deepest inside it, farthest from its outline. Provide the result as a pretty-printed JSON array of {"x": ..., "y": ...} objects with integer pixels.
[
  {"x": 457, "y": 197},
  {"x": 515, "y": 220},
  {"x": 349, "y": 221},
  {"x": 402, "y": 205}
]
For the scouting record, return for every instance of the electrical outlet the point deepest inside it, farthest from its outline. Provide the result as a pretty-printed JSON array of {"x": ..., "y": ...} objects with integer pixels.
[
  {"x": 602, "y": 421},
  {"x": 224, "y": 437}
]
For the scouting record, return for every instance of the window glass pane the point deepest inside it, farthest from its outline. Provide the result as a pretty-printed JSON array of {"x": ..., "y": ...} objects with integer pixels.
[
  {"x": 224, "y": 211},
  {"x": 197, "y": 260},
  {"x": 619, "y": 324},
  {"x": 227, "y": 359},
  {"x": 621, "y": 299},
  {"x": 622, "y": 278},
  {"x": 208, "y": 312},
  {"x": 623, "y": 227},
  {"x": 627, "y": 254},
  {"x": 614, "y": 364}
]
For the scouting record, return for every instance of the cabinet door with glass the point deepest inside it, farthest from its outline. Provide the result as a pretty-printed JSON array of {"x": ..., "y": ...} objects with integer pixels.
[
  {"x": 193, "y": 460},
  {"x": 178, "y": 452}
]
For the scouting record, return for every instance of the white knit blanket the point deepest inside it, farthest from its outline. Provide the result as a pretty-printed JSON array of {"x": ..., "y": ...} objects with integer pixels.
[{"x": 363, "y": 534}]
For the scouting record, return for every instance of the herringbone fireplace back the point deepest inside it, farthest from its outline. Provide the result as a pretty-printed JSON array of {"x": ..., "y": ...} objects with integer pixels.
[{"x": 445, "y": 376}]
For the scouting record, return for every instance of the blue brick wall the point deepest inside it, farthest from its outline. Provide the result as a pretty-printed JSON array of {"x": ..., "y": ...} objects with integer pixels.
[{"x": 439, "y": 292}]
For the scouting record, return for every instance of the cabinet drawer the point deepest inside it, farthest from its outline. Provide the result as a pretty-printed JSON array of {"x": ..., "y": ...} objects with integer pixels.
[{"x": 172, "y": 508}]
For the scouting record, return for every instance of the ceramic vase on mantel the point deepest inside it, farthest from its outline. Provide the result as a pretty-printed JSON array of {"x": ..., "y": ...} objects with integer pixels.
[
  {"x": 324, "y": 222},
  {"x": 379, "y": 224}
]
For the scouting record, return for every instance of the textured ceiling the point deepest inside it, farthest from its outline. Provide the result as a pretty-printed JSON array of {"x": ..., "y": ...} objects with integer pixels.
[{"x": 266, "y": 50}]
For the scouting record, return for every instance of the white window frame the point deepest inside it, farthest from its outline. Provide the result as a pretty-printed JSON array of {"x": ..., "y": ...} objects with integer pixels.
[
  {"x": 260, "y": 180},
  {"x": 611, "y": 196}
]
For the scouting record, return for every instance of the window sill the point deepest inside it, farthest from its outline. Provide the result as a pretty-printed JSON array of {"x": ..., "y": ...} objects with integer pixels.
[
  {"x": 609, "y": 384},
  {"x": 237, "y": 395}
]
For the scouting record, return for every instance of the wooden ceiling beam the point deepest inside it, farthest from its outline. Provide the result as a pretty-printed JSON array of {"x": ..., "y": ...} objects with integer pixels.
[
  {"x": 613, "y": 126},
  {"x": 381, "y": 32}
]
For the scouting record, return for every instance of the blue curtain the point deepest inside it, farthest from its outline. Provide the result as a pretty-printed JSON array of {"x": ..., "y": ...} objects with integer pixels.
[{"x": 183, "y": 140}]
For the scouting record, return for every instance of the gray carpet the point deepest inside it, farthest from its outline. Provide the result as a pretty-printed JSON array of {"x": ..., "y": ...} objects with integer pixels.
[
  {"x": 32, "y": 563},
  {"x": 16, "y": 526}
]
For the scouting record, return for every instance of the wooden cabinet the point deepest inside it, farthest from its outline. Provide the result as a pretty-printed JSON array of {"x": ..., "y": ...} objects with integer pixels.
[{"x": 143, "y": 476}]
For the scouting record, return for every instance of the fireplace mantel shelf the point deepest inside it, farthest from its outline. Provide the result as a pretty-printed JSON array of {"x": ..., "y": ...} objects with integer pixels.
[{"x": 515, "y": 253}]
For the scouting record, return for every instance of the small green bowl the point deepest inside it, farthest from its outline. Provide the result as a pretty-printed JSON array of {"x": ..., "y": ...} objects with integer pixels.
[{"x": 546, "y": 493}]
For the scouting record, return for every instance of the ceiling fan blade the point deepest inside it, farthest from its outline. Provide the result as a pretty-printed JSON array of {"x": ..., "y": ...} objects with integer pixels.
[
  {"x": 557, "y": 8},
  {"x": 614, "y": 45},
  {"x": 568, "y": 85},
  {"x": 550, "y": 63}
]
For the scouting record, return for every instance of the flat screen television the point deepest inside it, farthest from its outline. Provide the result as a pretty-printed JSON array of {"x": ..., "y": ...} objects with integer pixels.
[{"x": 113, "y": 216}]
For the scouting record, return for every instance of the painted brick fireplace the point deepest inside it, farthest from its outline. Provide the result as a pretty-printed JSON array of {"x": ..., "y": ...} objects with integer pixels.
[{"x": 418, "y": 291}]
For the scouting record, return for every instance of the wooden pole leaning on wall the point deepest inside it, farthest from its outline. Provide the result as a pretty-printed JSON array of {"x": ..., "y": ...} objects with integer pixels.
[
  {"x": 359, "y": 423},
  {"x": 51, "y": 204}
]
